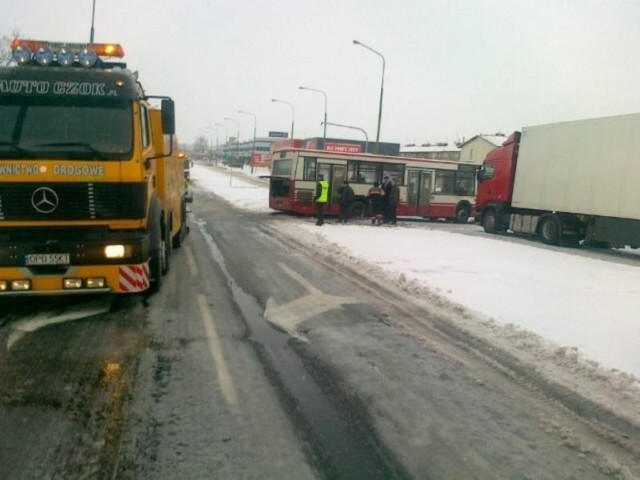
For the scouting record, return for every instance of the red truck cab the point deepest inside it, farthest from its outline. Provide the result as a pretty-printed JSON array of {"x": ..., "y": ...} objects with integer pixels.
[{"x": 495, "y": 184}]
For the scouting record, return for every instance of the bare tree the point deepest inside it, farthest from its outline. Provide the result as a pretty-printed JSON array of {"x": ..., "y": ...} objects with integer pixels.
[
  {"x": 200, "y": 148},
  {"x": 5, "y": 46}
]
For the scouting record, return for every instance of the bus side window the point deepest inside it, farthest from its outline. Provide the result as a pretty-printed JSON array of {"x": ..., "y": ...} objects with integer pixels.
[{"x": 444, "y": 182}]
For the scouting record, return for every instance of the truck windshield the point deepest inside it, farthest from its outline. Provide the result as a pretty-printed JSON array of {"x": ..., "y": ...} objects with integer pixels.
[{"x": 63, "y": 128}]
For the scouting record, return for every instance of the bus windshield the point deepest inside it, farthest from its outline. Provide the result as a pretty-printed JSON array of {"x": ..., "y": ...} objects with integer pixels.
[{"x": 64, "y": 128}]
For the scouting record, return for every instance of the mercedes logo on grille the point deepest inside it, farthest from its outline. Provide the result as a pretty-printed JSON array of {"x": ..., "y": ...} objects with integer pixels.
[{"x": 44, "y": 200}]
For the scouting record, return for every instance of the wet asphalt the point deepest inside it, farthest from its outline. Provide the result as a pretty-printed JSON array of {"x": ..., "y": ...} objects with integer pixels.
[{"x": 193, "y": 382}]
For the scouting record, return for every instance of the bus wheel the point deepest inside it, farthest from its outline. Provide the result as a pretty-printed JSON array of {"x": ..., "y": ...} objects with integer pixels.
[
  {"x": 490, "y": 221},
  {"x": 550, "y": 230},
  {"x": 462, "y": 213},
  {"x": 357, "y": 209}
]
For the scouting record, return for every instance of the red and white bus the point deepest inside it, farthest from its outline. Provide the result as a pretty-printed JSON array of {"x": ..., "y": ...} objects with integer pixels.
[{"x": 428, "y": 188}]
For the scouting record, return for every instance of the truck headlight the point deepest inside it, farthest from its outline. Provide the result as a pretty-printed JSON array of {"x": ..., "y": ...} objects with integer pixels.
[
  {"x": 20, "y": 285},
  {"x": 115, "y": 251},
  {"x": 4, "y": 285},
  {"x": 44, "y": 56},
  {"x": 98, "y": 282},
  {"x": 65, "y": 57},
  {"x": 22, "y": 55},
  {"x": 72, "y": 283},
  {"x": 87, "y": 57}
]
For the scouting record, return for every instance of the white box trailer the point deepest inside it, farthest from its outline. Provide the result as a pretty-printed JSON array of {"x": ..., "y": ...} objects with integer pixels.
[
  {"x": 566, "y": 182},
  {"x": 588, "y": 167}
]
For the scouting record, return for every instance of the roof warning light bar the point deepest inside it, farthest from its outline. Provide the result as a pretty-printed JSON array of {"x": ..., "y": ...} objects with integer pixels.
[{"x": 44, "y": 53}]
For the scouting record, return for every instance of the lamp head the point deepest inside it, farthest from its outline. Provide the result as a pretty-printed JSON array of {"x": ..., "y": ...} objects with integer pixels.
[{"x": 356, "y": 42}]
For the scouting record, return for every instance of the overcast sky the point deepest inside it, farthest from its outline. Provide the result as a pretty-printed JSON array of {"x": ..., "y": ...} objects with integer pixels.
[{"x": 453, "y": 68}]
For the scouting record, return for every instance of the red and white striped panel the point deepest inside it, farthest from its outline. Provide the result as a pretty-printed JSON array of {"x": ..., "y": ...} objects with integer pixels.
[{"x": 134, "y": 278}]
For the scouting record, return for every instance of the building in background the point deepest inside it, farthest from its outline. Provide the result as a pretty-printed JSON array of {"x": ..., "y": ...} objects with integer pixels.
[
  {"x": 341, "y": 145},
  {"x": 476, "y": 148},
  {"x": 432, "y": 151},
  {"x": 244, "y": 153}
]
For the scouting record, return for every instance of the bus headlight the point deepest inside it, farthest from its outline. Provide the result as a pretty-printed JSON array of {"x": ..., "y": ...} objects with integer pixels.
[{"x": 115, "y": 251}]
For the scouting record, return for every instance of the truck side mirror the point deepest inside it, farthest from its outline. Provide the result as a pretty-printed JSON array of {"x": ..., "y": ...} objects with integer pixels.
[{"x": 168, "y": 117}]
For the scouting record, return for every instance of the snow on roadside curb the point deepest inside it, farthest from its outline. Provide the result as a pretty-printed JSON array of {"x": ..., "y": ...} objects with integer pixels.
[{"x": 614, "y": 390}]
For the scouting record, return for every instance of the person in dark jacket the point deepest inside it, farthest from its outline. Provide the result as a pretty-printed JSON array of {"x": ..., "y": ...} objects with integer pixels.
[
  {"x": 375, "y": 203},
  {"x": 346, "y": 198},
  {"x": 394, "y": 199},
  {"x": 386, "y": 190}
]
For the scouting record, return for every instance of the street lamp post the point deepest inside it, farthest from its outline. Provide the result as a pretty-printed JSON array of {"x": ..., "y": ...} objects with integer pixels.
[
  {"x": 366, "y": 144},
  {"x": 356, "y": 42},
  {"x": 226, "y": 135},
  {"x": 324, "y": 134},
  {"x": 253, "y": 148},
  {"x": 237, "y": 146},
  {"x": 293, "y": 112}
]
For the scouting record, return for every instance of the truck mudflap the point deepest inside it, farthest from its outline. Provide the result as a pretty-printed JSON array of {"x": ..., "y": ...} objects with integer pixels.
[{"x": 76, "y": 280}]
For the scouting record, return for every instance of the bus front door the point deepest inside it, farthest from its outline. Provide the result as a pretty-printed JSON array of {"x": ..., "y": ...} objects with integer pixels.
[{"x": 418, "y": 192}]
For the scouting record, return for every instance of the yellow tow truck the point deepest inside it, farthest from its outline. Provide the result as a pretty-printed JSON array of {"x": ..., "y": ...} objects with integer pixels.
[{"x": 92, "y": 192}]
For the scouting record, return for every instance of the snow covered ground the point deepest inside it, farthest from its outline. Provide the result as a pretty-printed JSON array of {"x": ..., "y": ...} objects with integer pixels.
[{"x": 583, "y": 309}]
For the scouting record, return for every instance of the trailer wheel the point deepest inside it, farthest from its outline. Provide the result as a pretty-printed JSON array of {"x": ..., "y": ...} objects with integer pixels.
[
  {"x": 490, "y": 221},
  {"x": 462, "y": 213},
  {"x": 550, "y": 230},
  {"x": 357, "y": 209}
]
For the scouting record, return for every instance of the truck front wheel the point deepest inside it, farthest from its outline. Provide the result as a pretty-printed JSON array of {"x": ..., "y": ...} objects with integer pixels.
[
  {"x": 490, "y": 221},
  {"x": 155, "y": 267}
]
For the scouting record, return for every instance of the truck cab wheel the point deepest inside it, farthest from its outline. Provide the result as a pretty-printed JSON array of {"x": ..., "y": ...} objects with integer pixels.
[
  {"x": 490, "y": 221},
  {"x": 155, "y": 267},
  {"x": 165, "y": 253}
]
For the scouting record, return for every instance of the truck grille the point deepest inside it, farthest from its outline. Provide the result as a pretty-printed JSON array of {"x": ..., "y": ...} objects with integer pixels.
[{"x": 72, "y": 201}]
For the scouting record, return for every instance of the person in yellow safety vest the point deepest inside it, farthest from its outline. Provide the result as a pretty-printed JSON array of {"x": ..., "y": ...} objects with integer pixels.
[{"x": 322, "y": 197}]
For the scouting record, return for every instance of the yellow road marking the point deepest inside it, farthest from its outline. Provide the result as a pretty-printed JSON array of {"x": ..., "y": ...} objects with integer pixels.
[
  {"x": 224, "y": 377},
  {"x": 193, "y": 266}
]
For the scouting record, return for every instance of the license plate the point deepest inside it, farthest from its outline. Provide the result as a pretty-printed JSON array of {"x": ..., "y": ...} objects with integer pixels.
[{"x": 47, "y": 259}]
